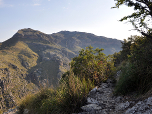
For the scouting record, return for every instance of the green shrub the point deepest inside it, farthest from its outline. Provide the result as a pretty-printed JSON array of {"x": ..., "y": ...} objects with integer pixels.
[
  {"x": 87, "y": 70},
  {"x": 137, "y": 73},
  {"x": 33, "y": 102},
  {"x": 93, "y": 65},
  {"x": 73, "y": 92},
  {"x": 67, "y": 98},
  {"x": 126, "y": 81}
]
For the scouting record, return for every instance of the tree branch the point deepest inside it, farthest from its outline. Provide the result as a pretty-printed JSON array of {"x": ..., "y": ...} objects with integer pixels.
[{"x": 144, "y": 34}]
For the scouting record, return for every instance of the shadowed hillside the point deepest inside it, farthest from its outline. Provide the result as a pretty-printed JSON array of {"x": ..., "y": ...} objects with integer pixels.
[{"x": 77, "y": 40}]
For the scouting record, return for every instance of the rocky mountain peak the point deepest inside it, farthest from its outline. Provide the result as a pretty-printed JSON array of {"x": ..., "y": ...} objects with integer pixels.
[
  {"x": 30, "y": 34},
  {"x": 28, "y": 31},
  {"x": 23, "y": 34}
]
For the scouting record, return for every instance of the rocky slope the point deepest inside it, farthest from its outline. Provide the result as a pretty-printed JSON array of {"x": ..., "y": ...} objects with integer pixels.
[
  {"x": 77, "y": 40},
  {"x": 101, "y": 100},
  {"x": 31, "y": 60}
]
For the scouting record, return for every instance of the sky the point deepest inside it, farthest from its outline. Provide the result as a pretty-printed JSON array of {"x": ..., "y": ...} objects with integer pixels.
[{"x": 52, "y": 16}]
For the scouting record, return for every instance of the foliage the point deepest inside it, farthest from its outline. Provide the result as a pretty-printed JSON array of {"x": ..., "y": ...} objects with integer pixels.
[
  {"x": 26, "y": 60},
  {"x": 123, "y": 54},
  {"x": 142, "y": 15},
  {"x": 128, "y": 80},
  {"x": 93, "y": 65},
  {"x": 67, "y": 98},
  {"x": 136, "y": 74},
  {"x": 88, "y": 69}
]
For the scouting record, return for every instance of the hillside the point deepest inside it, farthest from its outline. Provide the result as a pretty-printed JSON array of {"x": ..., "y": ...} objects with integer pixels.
[
  {"x": 31, "y": 59},
  {"x": 77, "y": 40}
]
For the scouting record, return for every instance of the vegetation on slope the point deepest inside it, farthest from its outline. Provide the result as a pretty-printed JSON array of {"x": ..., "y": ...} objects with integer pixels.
[
  {"x": 67, "y": 98},
  {"x": 136, "y": 73},
  {"x": 31, "y": 59},
  {"x": 13, "y": 63},
  {"x": 80, "y": 40},
  {"x": 74, "y": 86},
  {"x": 88, "y": 70},
  {"x": 134, "y": 61},
  {"x": 93, "y": 65}
]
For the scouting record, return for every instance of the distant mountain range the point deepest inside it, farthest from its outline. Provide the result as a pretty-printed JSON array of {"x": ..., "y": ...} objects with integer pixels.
[{"x": 32, "y": 59}]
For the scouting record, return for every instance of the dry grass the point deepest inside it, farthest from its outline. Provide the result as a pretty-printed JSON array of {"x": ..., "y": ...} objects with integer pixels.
[{"x": 67, "y": 98}]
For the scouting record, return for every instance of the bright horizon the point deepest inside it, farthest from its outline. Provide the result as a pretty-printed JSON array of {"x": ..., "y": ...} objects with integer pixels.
[{"x": 52, "y": 16}]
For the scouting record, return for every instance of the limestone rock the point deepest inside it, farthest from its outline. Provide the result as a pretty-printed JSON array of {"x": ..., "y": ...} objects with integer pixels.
[
  {"x": 141, "y": 108},
  {"x": 102, "y": 101},
  {"x": 91, "y": 107},
  {"x": 92, "y": 101},
  {"x": 122, "y": 106},
  {"x": 93, "y": 91},
  {"x": 149, "y": 101}
]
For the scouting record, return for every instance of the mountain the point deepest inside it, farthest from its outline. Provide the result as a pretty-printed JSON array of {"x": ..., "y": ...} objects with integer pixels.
[
  {"x": 32, "y": 59},
  {"x": 77, "y": 40}
]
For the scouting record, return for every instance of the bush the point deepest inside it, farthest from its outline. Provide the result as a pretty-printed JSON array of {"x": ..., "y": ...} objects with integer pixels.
[
  {"x": 87, "y": 70},
  {"x": 67, "y": 98},
  {"x": 127, "y": 80},
  {"x": 73, "y": 92},
  {"x": 137, "y": 74},
  {"x": 93, "y": 65},
  {"x": 33, "y": 102}
]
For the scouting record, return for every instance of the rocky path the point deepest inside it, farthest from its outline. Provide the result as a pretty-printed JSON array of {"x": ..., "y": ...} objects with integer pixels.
[{"x": 102, "y": 101}]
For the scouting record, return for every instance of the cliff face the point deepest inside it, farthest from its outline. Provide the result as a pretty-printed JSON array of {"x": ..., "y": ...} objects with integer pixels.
[{"x": 31, "y": 59}]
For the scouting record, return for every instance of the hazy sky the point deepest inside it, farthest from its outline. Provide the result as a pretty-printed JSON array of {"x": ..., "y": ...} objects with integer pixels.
[{"x": 51, "y": 16}]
